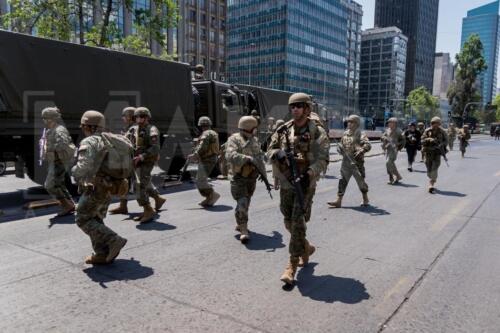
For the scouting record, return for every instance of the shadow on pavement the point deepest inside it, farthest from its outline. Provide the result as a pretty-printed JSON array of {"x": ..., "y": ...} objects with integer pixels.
[
  {"x": 372, "y": 210},
  {"x": 155, "y": 226},
  {"x": 419, "y": 171},
  {"x": 329, "y": 177},
  {"x": 329, "y": 288},
  {"x": 259, "y": 242},
  {"x": 470, "y": 158},
  {"x": 215, "y": 209},
  {"x": 68, "y": 219},
  {"x": 120, "y": 270},
  {"x": 401, "y": 184},
  {"x": 450, "y": 193}
]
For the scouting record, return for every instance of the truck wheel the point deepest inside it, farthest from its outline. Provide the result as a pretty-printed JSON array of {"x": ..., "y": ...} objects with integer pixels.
[{"x": 3, "y": 168}]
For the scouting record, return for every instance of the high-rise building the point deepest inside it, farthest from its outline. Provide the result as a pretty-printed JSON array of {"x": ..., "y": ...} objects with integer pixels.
[
  {"x": 484, "y": 21},
  {"x": 418, "y": 21},
  {"x": 3, "y": 7},
  {"x": 443, "y": 75},
  {"x": 307, "y": 46},
  {"x": 383, "y": 66},
  {"x": 354, "y": 22}
]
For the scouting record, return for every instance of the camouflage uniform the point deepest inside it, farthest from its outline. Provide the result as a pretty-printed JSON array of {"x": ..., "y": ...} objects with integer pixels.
[
  {"x": 244, "y": 175},
  {"x": 392, "y": 142},
  {"x": 146, "y": 141},
  {"x": 353, "y": 141},
  {"x": 206, "y": 151},
  {"x": 433, "y": 141},
  {"x": 59, "y": 154},
  {"x": 464, "y": 138},
  {"x": 452, "y": 135},
  {"x": 95, "y": 199},
  {"x": 311, "y": 146}
]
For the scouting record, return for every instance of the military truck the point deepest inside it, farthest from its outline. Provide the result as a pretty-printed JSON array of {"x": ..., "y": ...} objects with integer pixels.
[{"x": 36, "y": 73}]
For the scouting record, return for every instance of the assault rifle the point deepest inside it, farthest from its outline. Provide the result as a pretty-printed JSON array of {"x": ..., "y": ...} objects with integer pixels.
[
  {"x": 263, "y": 178},
  {"x": 295, "y": 178},
  {"x": 341, "y": 150},
  {"x": 442, "y": 150}
]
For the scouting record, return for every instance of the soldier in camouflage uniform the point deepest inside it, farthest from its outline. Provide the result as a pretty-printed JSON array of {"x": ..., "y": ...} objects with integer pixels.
[
  {"x": 452, "y": 135},
  {"x": 244, "y": 155},
  {"x": 310, "y": 145},
  {"x": 393, "y": 141},
  {"x": 146, "y": 140},
  {"x": 354, "y": 145},
  {"x": 128, "y": 121},
  {"x": 421, "y": 129},
  {"x": 95, "y": 192},
  {"x": 434, "y": 142},
  {"x": 199, "y": 72},
  {"x": 206, "y": 154},
  {"x": 58, "y": 153},
  {"x": 464, "y": 137}
]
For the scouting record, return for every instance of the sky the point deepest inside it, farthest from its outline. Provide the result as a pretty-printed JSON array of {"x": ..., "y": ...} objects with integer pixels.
[{"x": 449, "y": 32}]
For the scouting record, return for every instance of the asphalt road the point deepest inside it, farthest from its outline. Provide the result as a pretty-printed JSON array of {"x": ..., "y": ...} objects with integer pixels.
[{"x": 412, "y": 262}]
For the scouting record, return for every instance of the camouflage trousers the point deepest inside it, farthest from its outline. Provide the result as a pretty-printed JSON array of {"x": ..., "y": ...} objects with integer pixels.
[
  {"x": 295, "y": 219},
  {"x": 242, "y": 189},
  {"x": 145, "y": 189},
  {"x": 432, "y": 163},
  {"x": 55, "y": 183},
  {"x": 392, "y": 156},
  {"x": 204, "y": 170},
  {"x": 451, "y": 141},
  {"x": 347, "y": 170},
  {"x": 90, "y": 214},
  {"x": 463, "y": 146}
]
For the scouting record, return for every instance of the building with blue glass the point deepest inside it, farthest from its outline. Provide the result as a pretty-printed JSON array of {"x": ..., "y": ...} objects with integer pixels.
[
  {"x": 308, "y": 46},
  {"x": 484, "y": 21}
]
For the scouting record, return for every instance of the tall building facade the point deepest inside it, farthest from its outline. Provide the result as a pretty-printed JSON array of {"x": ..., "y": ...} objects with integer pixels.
[
  {"x": 296, "y": 46},
  {"x": 354, "y": 23},
  {"x": 383, "y": 66},
  {"x": 484, "y": 21},
  {"x": 3, "y": 7},
  {"x": 418, "y": 21},
  {"x": 443, "y": 75},
  {"x": 201, "y": 35}
]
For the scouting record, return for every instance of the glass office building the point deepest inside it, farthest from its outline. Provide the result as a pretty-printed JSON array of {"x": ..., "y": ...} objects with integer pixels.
[
  {"x": 294, "y": 45},
  {"x": 484, "y": 21},
  {"x": 418, "y": 21},
  {"x": 383, "y": 66}
]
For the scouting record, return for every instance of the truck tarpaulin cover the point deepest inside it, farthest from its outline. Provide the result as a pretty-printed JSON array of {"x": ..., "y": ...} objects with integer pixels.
[
  {"x": 272, "y": 103},
  {"x": 77, "y": 78}
]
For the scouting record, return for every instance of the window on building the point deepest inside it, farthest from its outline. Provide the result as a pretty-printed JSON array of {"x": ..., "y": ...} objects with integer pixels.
[
  {"x": 204, "y": 19},
  {"x": 203, "y": 33},
  {"x": 212, "y": 36},
  {"x": 192, "y": 15}
]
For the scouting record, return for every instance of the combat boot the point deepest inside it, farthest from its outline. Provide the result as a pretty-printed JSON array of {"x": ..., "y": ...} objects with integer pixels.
[
  {"x": 115, "y": 247},
  {"x": 148, "y": 214},
  {"x": 391, "y": 180},
  {"x": 365, "y": 202},
  {"x": 289, "y": 274},
  {"x": 212, "y": 199},
  {"x": 67, "y": 207},
  {"x": 309, "y": 250},
  {"x": 159, "y": 201},
  {"x": 121, "y": 209},
  {"x": 244, "y": 234},
  {"x": 398, "y": 178},
  {"x": 95, "y": 259},
  {"x": 431, "y": 187},
  {"x": 337, "y": 203},
  {"x": 203, "y": 203}
]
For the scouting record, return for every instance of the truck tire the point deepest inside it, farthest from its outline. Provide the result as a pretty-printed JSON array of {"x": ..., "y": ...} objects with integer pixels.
[{"x": 3, "y": 168}]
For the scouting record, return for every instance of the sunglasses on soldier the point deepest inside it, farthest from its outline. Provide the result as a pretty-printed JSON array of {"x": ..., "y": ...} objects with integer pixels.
[{"x": 297, "y": 105}]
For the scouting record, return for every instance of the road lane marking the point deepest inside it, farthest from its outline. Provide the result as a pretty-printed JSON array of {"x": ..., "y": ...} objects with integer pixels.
[
  {"x": 440, "y": 224},
  {"x": 396, "y": 288}
]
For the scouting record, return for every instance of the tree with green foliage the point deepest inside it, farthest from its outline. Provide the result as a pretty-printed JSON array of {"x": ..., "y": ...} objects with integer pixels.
[
  {"x": 93, "y": 22},
  {"x": 496, "y": 103},
  {"x": 424, "y": 105},
  {"x": 470, "y": 65}
]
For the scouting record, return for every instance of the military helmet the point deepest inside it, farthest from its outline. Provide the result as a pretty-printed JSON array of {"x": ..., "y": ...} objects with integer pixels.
[
  {"x": 254, "y": 113},
  {"x": 299, "y": 98},
  {"x": 420, "y": 124},
  {"x": 436, "y": 120},
  {"x": 279, "y": 123},
  {"x": 93, "y": 118},
  {"x": 393, "y": 120},
  {"x": 142, "y": 111},
  {"x": 199, "y": 68},
  {"x": 354, "y": 119},
  {"x": 204, "y": 121},
  {"x": 247, "y": 123},
  {"x": 466, "y": 126},
  {"x": 128, "y": 111},
  {"x": 412, "y": 123},
  {"x": 51, "y": 113}
]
